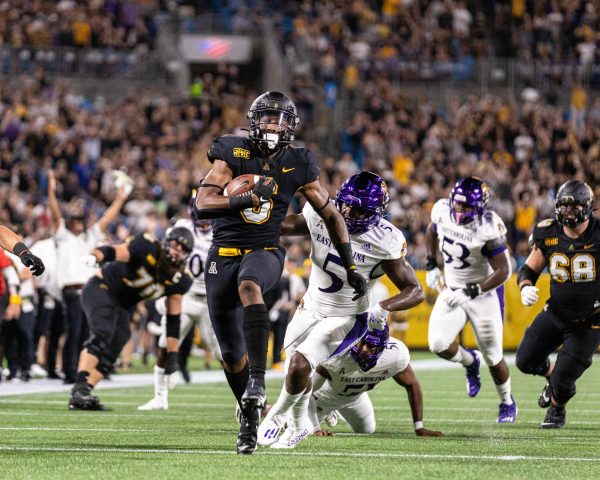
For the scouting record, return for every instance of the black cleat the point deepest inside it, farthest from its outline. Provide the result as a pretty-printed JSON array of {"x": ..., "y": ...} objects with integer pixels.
[
  {"x": 82, "y": 399},
  {"x": 555, "y": 418},
  {"x": 246, "y": 443},
  {"x": 545, "y": 397},
  {"x": 254, "y": 395}
]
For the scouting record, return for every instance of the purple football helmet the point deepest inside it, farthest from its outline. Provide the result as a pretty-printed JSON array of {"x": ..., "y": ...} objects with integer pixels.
[
  {"x": 367, "y": 196},
  {"x": 200, "y": 224},
  {"x": 468, "y": 200},
  {"x": 366, "y": 352}
]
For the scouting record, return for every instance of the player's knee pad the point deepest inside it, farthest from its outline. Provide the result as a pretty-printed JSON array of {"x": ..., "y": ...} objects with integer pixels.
[
  {"x": 231, "y": 358},
  {"x": 525, "y": 365},
  {"x": 96, "y": 346},
  {"x": 492, "y": 356},
  {"x": 438, "y": 345}
]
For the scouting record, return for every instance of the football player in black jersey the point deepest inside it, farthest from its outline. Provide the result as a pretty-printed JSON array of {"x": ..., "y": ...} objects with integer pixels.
[
  {"x": 137, "y": 270},
  {"x": 246, "y": 259},
  {"x": 569, "y": 245}
]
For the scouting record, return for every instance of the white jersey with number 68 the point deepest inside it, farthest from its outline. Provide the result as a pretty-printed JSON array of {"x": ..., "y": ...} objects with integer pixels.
[{"x": 328, "y": 291}]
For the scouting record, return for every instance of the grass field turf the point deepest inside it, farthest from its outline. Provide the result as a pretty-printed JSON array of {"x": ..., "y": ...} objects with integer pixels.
[{"x": 196, "y": 437}]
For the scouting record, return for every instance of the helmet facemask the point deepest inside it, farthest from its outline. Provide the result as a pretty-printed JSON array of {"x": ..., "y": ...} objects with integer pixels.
[
  {"x": 468, "y": 200},
  {"x": 574, "y": 203},
  {"x": 272, "y": 120}
]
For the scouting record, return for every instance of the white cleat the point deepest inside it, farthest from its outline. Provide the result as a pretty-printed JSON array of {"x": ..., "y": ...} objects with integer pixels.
[
  {"x": 293, "y": 436},
  {"x": 156, "y": 403},
  {"x": 270, "y": 429}
]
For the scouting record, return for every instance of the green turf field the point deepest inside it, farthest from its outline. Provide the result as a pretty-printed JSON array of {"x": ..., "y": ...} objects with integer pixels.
[{"x": 196, "y": 437}]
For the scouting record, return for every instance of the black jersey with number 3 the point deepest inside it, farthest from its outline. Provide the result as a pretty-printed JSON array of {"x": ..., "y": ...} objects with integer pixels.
[
  {"x": 573, "y": 266},
  {"x": 138, "y": 279},
  {"x": 290, "y": 167}
]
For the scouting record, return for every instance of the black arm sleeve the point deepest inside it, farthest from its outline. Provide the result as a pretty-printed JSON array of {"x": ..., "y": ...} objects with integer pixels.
[{"x": 527, "y": 273}]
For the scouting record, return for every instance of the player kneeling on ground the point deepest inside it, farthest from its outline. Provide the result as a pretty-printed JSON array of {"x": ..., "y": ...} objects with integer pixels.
[
  {"x": 341, "y": 383},
  {"x": 137, "y": 270}
]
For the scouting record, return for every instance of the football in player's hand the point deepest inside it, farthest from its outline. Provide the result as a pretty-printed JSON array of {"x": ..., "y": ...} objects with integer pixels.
[{"x": 240, "y": 185}]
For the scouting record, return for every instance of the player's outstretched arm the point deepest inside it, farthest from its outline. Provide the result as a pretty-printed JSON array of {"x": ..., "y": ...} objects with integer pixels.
[
  {"x": 409, "y": 381},
  {"x": 336, "y": 226},
  {"x": 402, "y": 276},
  {"x": 108, "y": 253},
  {"x": 113, "y": 210},
  {"x": 12, "y": 242}
]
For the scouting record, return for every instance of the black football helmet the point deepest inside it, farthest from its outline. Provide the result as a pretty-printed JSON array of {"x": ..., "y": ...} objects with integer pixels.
[
  {"x": 167, "y": 264},
  {"x": 574, "y": 203},
  {"x": 272, "y": 120}
]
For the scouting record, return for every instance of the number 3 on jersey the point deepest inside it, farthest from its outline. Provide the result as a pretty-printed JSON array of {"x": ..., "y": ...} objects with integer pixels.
[
  {"x": 258, "y": 214},
  {"x": 581, "y": 268}
]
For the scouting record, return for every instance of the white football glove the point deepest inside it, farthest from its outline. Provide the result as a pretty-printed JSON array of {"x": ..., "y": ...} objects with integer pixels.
[
  {"x": 89, "y": 260},
  {"x": 456, "y": 298},
  {"x": 435, "y": 279},
  {"x": 529, "y": 295},
  {"x": 377, "y": 317}
]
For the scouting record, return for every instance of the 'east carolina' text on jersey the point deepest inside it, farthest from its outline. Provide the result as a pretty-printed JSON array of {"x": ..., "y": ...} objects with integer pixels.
[
  {"x": 573, "y": 267},
  {"x": 290, "y": 167},
  {"x": 328, "y": 291},
  {"x": 136, "y": 280},
  {"x": 467, "y": 248},
  {"x": 196, "y": 260},
  {"x": 348, "y": 380}
]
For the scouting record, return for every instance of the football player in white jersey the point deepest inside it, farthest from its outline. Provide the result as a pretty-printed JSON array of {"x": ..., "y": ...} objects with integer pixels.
[
  {"x": 472, "y": 241},
  {"x": 341, "y": 383},
  {"x": 330, "y": 318},
  {"x": 194, "y": 310}
]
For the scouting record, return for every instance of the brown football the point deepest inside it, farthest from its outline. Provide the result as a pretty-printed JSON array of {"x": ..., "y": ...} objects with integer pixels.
[{"x": 241, "y": 185}]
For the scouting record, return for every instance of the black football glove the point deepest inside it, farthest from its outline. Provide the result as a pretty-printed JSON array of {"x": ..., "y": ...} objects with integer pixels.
[
  {"x": 357, "y": 282},
  {"x": 32, "y": 262},
  {"x": 264, "y": 191}
]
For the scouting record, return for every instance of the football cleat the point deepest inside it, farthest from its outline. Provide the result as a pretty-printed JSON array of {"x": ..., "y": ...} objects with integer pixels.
[
  {"x": 246, "y": 443},
  {"x": 545, "y": 399},
  {"x": 555, "y": 418},
  {"x": 82, "y": 399},
  {"x": 270, "y": 429},
  {"x": 294, "y": 435},
  {"x": 507, "y": 413},
  {"x": 473, "y": 378},
  {"x": 157, "y": 403},
  {"x": 331, "y": 418},
  {"x": 254, "y": 395}
]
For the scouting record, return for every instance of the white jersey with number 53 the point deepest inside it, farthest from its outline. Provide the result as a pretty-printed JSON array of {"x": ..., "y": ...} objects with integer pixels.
[
  {"x": 198, "y": 256},
  {"x": 467, "y": 248},
  {"x": 328, "y": 290}
]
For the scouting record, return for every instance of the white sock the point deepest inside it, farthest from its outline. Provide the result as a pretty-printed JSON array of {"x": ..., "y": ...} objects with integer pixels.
[
  {"x": 160, "y": 382},
  {"x": 300, "y": 409},
  {"x": 284, "y": 402},
  {"x": 504, "y": 393},
  {"x": 463, "y": 357}
]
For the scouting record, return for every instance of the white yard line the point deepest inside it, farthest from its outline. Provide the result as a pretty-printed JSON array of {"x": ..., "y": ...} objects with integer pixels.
[{"x": 420, "y": 456}]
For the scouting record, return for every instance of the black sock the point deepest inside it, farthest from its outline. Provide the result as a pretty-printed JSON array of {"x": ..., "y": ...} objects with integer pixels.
[
  {"x": 82, "y": 377},
  {"x": 256, "y": 332},
  {"x": 238, "y": 381}
]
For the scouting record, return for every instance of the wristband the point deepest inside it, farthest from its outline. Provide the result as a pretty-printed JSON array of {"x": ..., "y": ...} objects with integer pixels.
[
  {"x": 241, "y": 202},
  {"x": 419, "y": 425},
  {"x": 15, "y": 299},
  {"x": 345, "y": 251},
  {"x": 19, "y": 248}
]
